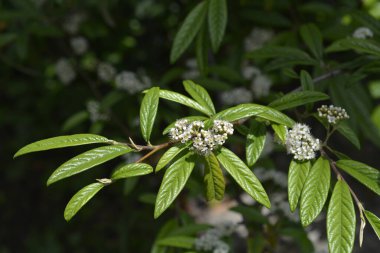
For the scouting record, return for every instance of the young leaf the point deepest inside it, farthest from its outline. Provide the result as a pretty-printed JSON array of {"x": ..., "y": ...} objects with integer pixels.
[
  {"x": 365, "y": 174},
  {"x": 280, "y": 131},
  {"x": 255, "y": 142},
  {"x": 173, "y": 182},
  {"x": 185, "y": 242},
  {"x": 315, "y": 191},
  {"x": 61, "y": 142},
  {"x": 199, "y": 94},
  {"x": 374, "y": 221},
  {"x": 188, "y": 31},
  {"x": 214, "y": 179},
  {"x": 132, "y": 170},
  {"x": 80, "y": 199},
  {"x": 347, "y": 132},
  {"x": 169, "y": 155},
  {"x": 243, "y": 176},
  {"x": 313, "y": 39},
  {"x": 148, "y": 112},
  {"x": 362, "y": 46},
  {"x": 217, "y": 21},
  {"x": 181, "y": 99},
  {"x": 295, "y": 99},
  {"x": 189, "y": 118},
  {"x": 298, "y": 172},
  {"x": 87, "y": 160},
  {"x": 341, "y": 219}
]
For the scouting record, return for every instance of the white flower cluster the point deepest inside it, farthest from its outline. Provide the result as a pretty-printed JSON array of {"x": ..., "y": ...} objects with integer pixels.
[
  {"x": 204, "y": 141},
  {"x": 106, "y": 72},
  {"x": 333, "y": 114},
  {"x": 362, "y": 33},
  {"x": 236, "y": 96},
  {"x": 72, "y": 23},
  {"x": 301, "y": 143},
  {"x": 93, "y": 108},
  {"x": 257, "y": 38},
  {"x": 129, "y": 81},
  {"x": 65, "y": 71},
  {"x": 211, "y": 239},
  {"x": 260, "y": 83},
  {"x": 192, "y": 71},
  {"x": 79, "y": 45}
]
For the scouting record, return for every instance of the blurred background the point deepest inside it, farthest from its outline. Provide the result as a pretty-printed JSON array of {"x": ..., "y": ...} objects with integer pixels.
[{"x": 79, "y": 66}]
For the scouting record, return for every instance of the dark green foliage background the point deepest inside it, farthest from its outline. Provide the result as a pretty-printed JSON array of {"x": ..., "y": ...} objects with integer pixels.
[{"x": 34, "y": 105}]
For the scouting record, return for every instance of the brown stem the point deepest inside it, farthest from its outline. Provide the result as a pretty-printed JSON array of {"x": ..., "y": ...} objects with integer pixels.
[{"x": 154, "y": 150}]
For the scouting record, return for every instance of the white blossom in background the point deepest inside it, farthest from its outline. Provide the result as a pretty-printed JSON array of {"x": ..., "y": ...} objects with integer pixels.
[
  {"x": 129, "y": 81},
  {"x": 106, "y": 72},
  {"x": 79, "y": 45},
  {"x": 72, "y": 23},
  {"x": 320, "y": 245},
  {"x": 93, "y": 108},
  {"x": 236, "y": 96},
  {"x": 362, "y": 33},
  {"x": 260, "y": 86},
  {"x": 65, "y": 71},
  {"x": 257, "y": 38},
  {"x": 333, "y": 114},
  {"x": 211, "y": 241},
  {"x": 192, "y": 71},
  {"x": 300, "y": 143},
  {"x": 131, "y": 157},
  {"x": 250, "y": 72}
]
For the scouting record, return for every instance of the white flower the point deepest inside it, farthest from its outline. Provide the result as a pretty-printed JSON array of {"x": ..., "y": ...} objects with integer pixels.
[
  {"x": 93, "y": 108},
  {"x": 301, "y": 143},
  {"x": 236, "y": 96},
  {"x": 128, "y": 81},
  {"x": 261, "y": 86},
  {"x": 79, "y": 45},
  {"x": 333, "y": 114},
  {"x": 65, "y": 71},
  {"x": 72, "y": 23},
  {"x": 250, "y": 71},
  {"x": 362, "y": 33},
  {"x": 106, "y": 71},
  {"x": 192, "y": 71},
  {"x": 257, "y": 38}
]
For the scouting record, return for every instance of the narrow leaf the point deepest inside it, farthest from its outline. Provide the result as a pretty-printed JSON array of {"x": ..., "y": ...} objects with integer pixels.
[
  {"x": 173, "y": 182},
  {"x": 298, "y": 172},
  {"x": 148, "y": 112},
  {"x": 365, "y": 174},
  {"x": 201, "y": 50},
  {"x": 185, "y": 242},
  {"x": 80, "y": 199},
  {"x": 280, "y": 131},
  {"x": 61, "y": 142},
  {"x": 132, "y": 170},
  {"x": 295, "y": 99},
  {"x": 315, "y": 191},
  {"x": 188, "y": 31},
  {"x": 217, "y": 21},
  {"x": 181, "y": 99},
  {"x": 313, "y": 39},
  {"x": 341, "y": 219},
  {"x": 87, "y": 160},
  {"x": 306, "y": 81},
  {"x": 347, "y": 132},
  {"x": 74, "y": 120},
  {"x": 362, "y": 46},
  {"x": 243, "y": 176},
  {"x": 255, "y": 142},
  {"x": 374, "y": 221},
  {"x": 168, "y": 156},
  {"x": 199, "y": 94},
  {"x": 214, "y": 179}
]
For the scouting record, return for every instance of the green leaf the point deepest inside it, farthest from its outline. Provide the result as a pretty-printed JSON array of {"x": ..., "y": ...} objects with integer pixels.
[
  {"x": 74, "y": 120},
  {"x": 315, "y": 191},
  {"x": 365, "y": 174},
  {"x": 87, "y": 160},
  {"x": 243, "y": 176},
  {"x": 185, "y": 242},
  {"x": 341, "y": 219},
  {"x": 148, "y": 112},
  {"x": 201, "y": 50},
  {"x": 248, "y": 110},
  {"x": 199, "y": 94},
  {"x": 347, "y": 132},
  {"x": 361, "y": 45},
  {"x": 188, "y": 31},
  {"x": 181, "y": 99},
  {"x": 280, "y": 131},
  {"x": 306, "y": 81},
  {"x": 374, "y": 221},
  {"x": 61, "y": 142},
  {"x": 294, "y": 99},
  {"x": 169, "y": 155},
  {"x": 255, "y": 142},
  {"x": 132, "y": 170},
  {"x": 217, "y": 22},
  {"x": 367, "y": 20},
  {"x": 80, "y": 199},
  {"x": 213, "y": 179},
  {"x": 189, "y": 118},
  {"x": 298, "y": 172},
  {"x": 173, "y": 182},
  {"x": 313, "y": 39}
]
